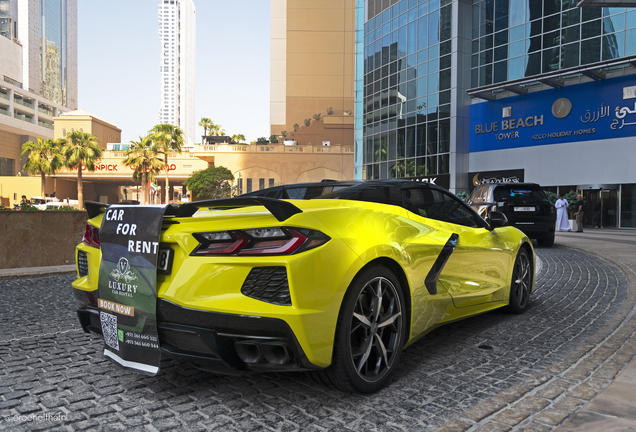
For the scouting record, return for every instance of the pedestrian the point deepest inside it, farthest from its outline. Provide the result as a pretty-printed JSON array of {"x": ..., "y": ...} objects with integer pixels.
[
  {"x": 24, "y": 200},
  {"x": 562, "y": 214},
  {"x": 579, "y": 213}
]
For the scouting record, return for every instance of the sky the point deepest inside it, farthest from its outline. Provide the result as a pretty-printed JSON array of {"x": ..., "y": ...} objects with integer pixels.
[{"x": 119, "y": 60}]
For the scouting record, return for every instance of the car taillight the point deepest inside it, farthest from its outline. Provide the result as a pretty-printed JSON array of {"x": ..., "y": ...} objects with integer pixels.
[
  {"x": 259, "y": 241},
  {"x": 91, "y": 236},
  {"x": 552, "y": 210}
]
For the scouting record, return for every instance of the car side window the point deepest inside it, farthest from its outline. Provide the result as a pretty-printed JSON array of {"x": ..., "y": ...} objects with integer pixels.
[
  {"x": 296, "y": 193},
  {"x": 435, "y": 204}
]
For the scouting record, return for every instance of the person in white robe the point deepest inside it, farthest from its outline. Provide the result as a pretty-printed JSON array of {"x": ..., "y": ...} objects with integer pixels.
[{"x": 562, "y": 214}]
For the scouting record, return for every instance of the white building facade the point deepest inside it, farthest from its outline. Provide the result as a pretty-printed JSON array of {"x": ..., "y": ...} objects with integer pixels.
[
  {"x": 177, "y": 33},
  {"x": 38, "y": 72}
]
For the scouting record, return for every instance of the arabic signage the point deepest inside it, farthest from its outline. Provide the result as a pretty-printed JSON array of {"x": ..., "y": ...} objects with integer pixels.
[
  {"x": 127, "y": 287},
  {"x": 584, "y": 112},
  {"x": 505, "y": 176}
]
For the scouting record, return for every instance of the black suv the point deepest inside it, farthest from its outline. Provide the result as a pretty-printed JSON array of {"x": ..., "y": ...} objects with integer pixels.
[{"x": 525, "y": 205}]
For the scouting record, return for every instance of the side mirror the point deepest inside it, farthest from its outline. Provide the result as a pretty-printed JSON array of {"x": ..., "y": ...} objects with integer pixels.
[{"x": 496, "y": 219}]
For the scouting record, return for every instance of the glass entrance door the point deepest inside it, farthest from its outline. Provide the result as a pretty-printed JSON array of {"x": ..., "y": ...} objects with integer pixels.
[
  {"x": 609, "y": 208},
  {"x": 601, "y": 208}
]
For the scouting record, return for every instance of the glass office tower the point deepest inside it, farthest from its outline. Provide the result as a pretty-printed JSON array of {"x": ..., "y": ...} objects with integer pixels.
[
  {"x": 406, "y": 97},
  {"x": 53, "y": 50},
  {"x": 458, "y": 92}
]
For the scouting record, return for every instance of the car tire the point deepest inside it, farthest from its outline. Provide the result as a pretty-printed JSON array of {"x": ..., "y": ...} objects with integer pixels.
[
  {"x": 369, "y": 340},
  {"x": 521, "y": 283},
  {"x": 546, "y": 241}
]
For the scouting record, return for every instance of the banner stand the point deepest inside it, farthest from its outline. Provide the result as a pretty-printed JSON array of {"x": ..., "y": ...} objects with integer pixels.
[{"x": 129, "y": 238}]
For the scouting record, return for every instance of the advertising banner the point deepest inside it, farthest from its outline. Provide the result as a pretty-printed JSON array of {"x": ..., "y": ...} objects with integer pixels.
[
  {"x": 129, "y": 238},
  {"x": 596, "y": 110}
]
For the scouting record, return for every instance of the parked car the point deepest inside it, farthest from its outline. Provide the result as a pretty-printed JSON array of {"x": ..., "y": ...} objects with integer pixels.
[
  {"x": 525, "y": 205},
  {"x": 301, "y": 190},
  {"x": 39, "y": 203},
  {"x": 337, "y": 285},
  {"x": 47, "y": 203}
]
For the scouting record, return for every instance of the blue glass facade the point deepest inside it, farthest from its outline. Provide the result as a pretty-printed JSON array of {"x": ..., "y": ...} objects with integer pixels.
[
  {"x": 405, "y": 99},
  {"x": 513, "y": 39}
]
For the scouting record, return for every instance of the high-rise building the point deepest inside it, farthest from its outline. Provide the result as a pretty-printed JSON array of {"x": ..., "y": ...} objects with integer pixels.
[
  {"x": 38, "y": 72},
  {"x": 177, "y": 33},
  {"x": 312, "y": 67},
  {"x": 532, "y": 90}
]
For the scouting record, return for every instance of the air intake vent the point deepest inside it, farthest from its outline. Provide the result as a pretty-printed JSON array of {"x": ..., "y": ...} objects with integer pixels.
[
  {"x": 268, "y": 284},
  {"x": 82, "y": 263}
]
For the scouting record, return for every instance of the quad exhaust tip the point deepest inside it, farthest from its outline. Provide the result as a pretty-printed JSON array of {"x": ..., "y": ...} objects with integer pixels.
[{"x": 252, "y": 352}]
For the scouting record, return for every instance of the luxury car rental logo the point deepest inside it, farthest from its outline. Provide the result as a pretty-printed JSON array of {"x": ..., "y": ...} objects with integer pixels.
[{"x": 122, "y": 271}]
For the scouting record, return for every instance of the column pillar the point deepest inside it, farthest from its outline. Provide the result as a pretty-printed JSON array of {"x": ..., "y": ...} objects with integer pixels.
[
  {"x": 11, "y": 95},
  {"x": 36, "y": 116}
]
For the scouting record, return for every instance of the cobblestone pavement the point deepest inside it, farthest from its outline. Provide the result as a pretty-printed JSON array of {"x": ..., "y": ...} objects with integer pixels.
[{"x": 54, "y": 373}]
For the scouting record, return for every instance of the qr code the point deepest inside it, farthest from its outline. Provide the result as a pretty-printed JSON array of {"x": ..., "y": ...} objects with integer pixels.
[{"x": 109, "y": 329}]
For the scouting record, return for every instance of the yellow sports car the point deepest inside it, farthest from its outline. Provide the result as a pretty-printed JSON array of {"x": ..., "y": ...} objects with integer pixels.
[{"x": 337, "y": 285}]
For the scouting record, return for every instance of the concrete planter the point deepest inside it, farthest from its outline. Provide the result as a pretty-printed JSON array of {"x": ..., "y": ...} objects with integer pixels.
[
  {"x": 40, "y": 238},
  {"x": 573, "y": 224}
]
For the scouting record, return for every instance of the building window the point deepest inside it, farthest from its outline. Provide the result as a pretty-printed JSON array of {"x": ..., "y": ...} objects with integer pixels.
[
  {"x": 7, "y": 167},
  {"x": 261, "y": 183},
  {"x": 64, "y": 132},
  {"x": 240, "y": 186},
  {"x": 249, "y": 185},
  {"x": 271, "y": 182}
]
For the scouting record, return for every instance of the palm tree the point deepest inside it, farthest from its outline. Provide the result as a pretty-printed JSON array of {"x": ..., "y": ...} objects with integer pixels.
[
  {"x": 206, "y": 124},
  {"x": 238, "y": 138},
  {"x": 43, "y": 158},
  {"x": 81, "y": 149},
  {"x": 215, "y": 128},
  {"x": 143, "y": 158},
  {"x": 167, "y": 138}
]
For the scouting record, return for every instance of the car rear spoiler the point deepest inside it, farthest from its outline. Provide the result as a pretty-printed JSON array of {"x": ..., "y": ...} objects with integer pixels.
[
  {"x": 94, "y": 208},
  {"x": 281, "y": 210}
]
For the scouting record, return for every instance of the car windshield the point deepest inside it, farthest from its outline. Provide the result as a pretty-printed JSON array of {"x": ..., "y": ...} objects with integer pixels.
[
  {"x": 383, "y": 194},
  {"x": 520, "y": 192},
  {"x": 304, "y": 192}
]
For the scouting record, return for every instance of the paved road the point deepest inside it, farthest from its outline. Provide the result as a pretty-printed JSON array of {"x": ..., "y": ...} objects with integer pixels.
[{"x": 52, "y": 375}]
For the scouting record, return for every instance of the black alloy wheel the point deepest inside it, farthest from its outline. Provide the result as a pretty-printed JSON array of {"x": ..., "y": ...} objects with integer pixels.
[
  {"x": 521, "y": 283},
  {"x": 370, "y": 333}
]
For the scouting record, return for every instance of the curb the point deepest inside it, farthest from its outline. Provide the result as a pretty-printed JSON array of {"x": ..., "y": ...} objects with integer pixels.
[{"x": 36, "y": 272}]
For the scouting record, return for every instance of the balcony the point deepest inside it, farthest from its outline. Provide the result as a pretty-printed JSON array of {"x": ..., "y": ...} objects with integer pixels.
[
  {"x": 23, "y": 103},
  {"x": 4, "y": 111},
  {"x": 46, "y": 111},
  {"x": 22, "y": 117},
  {"x": 46, "y": 125},
  {"x": 4, "y": 96}
]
